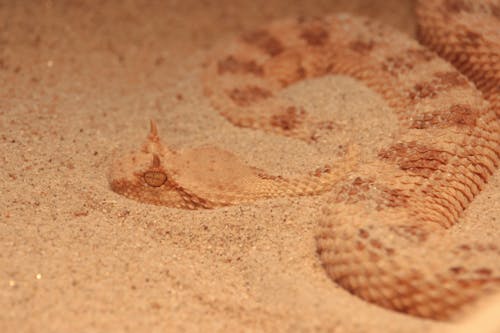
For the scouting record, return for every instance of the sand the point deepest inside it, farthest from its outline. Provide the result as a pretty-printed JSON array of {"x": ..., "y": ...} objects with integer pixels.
[{"x": 79, "y": 81}]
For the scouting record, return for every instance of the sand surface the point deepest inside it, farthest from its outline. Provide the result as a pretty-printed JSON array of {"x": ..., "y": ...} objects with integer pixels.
[{"x": 79, "y": 81}]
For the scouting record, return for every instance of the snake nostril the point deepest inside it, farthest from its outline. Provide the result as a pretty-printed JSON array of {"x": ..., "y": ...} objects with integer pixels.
[{"x": 155, "y": 178}]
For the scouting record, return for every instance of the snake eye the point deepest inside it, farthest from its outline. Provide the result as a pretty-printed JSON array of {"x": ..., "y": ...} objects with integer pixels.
[{"x": 155, "y": 178}]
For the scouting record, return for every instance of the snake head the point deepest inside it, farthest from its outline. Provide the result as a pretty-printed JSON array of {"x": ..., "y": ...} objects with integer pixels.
[{"x": 146, "y": 175}]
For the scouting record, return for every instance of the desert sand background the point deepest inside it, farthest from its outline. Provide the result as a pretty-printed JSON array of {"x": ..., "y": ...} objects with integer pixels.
[{"x": 79, "y": 81}]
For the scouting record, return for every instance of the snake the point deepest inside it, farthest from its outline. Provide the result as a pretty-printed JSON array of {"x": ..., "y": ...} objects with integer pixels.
[{"x": 386, "y": 231}]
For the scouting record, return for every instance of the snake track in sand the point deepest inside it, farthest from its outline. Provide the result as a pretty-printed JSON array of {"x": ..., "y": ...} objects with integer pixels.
[{"x": 385, "y": 234}]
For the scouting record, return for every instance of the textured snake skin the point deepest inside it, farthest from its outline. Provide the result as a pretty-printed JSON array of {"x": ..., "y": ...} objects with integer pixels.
[{"x": 386, "y": 233}]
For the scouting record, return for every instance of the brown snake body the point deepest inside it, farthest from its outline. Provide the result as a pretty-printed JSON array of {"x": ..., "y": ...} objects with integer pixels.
[{"x": 385, "y": 234}]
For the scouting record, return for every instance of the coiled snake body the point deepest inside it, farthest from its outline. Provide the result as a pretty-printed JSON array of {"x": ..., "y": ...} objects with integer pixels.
[{"x": 385, "y": 234}]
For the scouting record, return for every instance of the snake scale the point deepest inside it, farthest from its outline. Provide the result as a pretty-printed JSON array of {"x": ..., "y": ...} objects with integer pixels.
[{"x": 385, "y": 233}]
